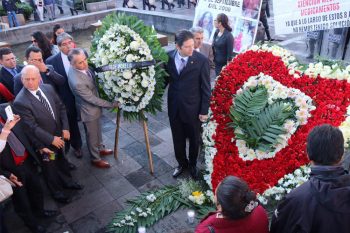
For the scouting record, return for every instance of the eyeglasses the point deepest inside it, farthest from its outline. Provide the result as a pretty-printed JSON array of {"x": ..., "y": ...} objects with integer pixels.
[{"x": 34, "y": 41}]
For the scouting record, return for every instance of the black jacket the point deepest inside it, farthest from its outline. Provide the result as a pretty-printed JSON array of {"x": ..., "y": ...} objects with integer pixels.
[
  {"x": 38, "y": 120},
  {"x": 189, "y": 92},
  {"x": 7, "y": 79},
  {"x": 320, "y": 205},
  {"x": 9, "y": 5}
]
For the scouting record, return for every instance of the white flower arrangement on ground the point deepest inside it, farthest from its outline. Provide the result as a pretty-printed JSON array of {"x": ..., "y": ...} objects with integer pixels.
[
  {"x": 313, "y": 69},
  {"x": 133, "y": 88},
  {"x": 197, "y": 197},
  {"x": 286, "y": 184},
  {"x": 276, "y": 91}
]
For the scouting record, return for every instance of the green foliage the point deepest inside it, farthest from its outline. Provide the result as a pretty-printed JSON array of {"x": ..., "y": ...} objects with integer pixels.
[
  {"x": 186, "y": 187},
  {"x": 25, "y": 9},
  {"x": 2, "y": 11},
  {"x": 261, "y": 124},
  {"x": 168, "y": 200},
  {"x": 158, "y": 53}
]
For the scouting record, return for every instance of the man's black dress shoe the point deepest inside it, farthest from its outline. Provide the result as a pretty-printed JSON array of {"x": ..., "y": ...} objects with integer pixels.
[
  {"x": 61, "y": 197},
  {"x": 49, "y": 213},
  {"x": 74, "y": 185},
  {"x": 194, "y": 172},
  {"x": 178, "y": 171}
]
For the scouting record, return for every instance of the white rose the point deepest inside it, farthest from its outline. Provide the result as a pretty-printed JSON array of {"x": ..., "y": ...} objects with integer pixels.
[
  {"x": 134, "y": 45},
  {"x": 127, "y": 74},
  {"x": 144, "y": 83},
  {"x": 129, "y": 58}
]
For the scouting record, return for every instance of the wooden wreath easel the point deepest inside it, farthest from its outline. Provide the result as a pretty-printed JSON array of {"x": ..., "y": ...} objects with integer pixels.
[{"x": 145, "y": 131}]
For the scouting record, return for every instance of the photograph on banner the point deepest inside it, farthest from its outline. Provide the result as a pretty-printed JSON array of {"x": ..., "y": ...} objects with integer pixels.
[
  {"x": 243, "y": 34},
  {"x": 300, "y": 16},
  {"x": 243, "y": 18}
]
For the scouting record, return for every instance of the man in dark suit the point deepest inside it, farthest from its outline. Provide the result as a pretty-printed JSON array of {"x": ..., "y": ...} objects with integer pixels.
[
  {"x": 47, "y": 72},
  {"x": 17, "y": 163},
  {"x": 82, "y": 82},
  {"x": 188, "y": 99},
  {"x": 61, "y": 65},
  {"x": 9, "y": 68},
  {"x": 44, "y": 115}
]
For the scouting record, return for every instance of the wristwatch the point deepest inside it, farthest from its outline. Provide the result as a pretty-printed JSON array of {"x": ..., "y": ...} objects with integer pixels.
[{"x": 48, "y": 71}]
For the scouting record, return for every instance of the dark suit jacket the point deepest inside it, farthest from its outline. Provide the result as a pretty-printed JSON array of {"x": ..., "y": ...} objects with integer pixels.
[
  {"x": 64, "y": 91},
  {"x": 54, "y": 79},
  {"x": 189, "y": 92},
  {"x": 6, "y": 78},
  {"x": 38, "y": 120},
  {"x": 7, "y": 163}
]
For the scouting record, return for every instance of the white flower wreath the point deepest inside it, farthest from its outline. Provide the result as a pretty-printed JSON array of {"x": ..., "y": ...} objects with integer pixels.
[{"x": 133, "y": 88}]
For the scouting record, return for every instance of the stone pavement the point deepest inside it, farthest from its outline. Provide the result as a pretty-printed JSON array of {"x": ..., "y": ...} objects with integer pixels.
[{"x": 106, "y": 190}]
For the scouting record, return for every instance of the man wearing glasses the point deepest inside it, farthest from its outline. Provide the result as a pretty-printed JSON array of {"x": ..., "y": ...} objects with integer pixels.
[
  {"x": 61, "y": 65},
  {"x": 47, "y": 72}
]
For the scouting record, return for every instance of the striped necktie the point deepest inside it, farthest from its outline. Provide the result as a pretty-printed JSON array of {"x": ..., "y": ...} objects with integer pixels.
[{"x": 45, "y": 103}]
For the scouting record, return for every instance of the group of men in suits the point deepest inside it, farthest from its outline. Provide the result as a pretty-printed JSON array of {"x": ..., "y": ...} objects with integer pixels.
[{"x": 50, "y": 99}]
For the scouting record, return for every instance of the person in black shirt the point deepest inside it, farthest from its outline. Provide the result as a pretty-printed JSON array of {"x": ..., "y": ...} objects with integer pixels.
[{"x": 222, "y": 43}]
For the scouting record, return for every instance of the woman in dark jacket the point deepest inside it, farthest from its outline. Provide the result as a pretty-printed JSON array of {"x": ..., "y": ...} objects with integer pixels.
[
  {"x": 237, "y": 210},
  {"x": 222, "y": 42},
  {"x": 40, "y": 40}
]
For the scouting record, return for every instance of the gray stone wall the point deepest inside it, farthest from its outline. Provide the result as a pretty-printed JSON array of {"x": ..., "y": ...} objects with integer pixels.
[{"x": 164, "y": 22}]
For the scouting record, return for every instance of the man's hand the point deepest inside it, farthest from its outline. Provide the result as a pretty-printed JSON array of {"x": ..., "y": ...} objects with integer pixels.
[
  {"x": 40, "y": 65},
  {"x": 15, "y": 180},
  {"x": 45, "y": 151},
  {"x": 66, "y": 135},
  {"x": 10, "y": 124},
  {"x": 203, "y": 118},
  {"x": 58, "y": 142}
]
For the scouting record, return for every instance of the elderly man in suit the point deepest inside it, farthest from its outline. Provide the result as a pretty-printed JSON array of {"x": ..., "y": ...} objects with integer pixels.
[
  {"x": 61, "y": 65},
  {"x": 48, "y": 74},
  {"x": 44, "y": 115},
  {"x": 9, "y": 68},
  {"x": 81, "y": 81},
  {"x": 204, "y": 48},
  {"x": 18, "y": 161},
  {"x": 188, "y": 99}
]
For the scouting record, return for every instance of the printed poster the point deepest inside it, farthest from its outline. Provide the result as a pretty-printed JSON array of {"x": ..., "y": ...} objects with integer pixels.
[
  {"x": 300, "y": 16},
  {"x": 243, "y": 18}
]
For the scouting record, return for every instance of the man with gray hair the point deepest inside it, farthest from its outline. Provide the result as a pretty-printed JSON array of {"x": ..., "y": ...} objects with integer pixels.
[
  {"x": 61, "y": 65},
  {"x": 204, "y": 48},
  {"x": 82, "y": 83}
]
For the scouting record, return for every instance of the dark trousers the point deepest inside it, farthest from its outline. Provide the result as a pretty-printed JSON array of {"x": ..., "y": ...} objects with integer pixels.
[
  {"x": 75, "y": 136},
  {"x": 218, "y": 68},
  {"x": 56, "y": 174},
  {"x": 3, "y": 228},
  {"x": 29, "y": 197},
  {"x": 263, "y": 19},
  {"x": 180, "y": 131},
  {"x": 165, "y": 2}
]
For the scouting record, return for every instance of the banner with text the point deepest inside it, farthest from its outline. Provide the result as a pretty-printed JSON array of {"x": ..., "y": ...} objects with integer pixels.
[
  {"x": 243, "y": 18},
  {"x": 297, "y": 16}
]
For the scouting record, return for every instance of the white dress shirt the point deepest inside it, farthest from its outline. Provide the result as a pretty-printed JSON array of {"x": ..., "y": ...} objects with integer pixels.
[
  {"x": 44, "y": 96},
  {"x": 66, "y": 62},
  {"x": 178, "y": 61}
]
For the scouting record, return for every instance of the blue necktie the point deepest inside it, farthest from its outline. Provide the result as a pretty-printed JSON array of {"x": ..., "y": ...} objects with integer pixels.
[{"x": 13, "y": 72}]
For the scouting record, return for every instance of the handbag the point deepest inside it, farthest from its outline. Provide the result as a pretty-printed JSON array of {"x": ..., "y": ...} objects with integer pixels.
[{"x": 5, "y": 188}]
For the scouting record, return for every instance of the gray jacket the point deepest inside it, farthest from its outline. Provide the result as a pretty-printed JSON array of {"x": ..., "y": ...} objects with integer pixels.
[{"x": 87, "y": 100}]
